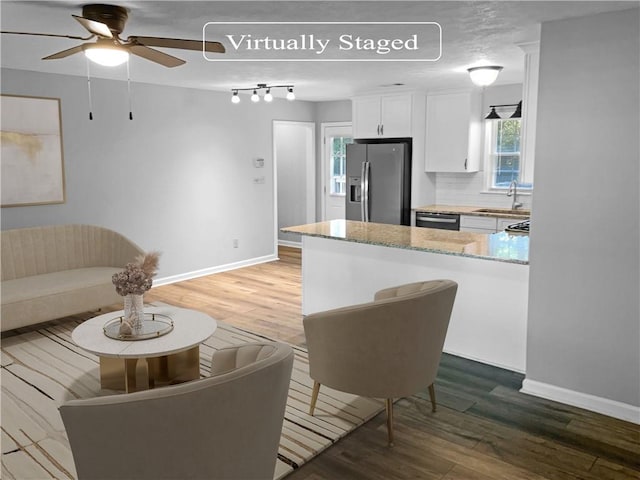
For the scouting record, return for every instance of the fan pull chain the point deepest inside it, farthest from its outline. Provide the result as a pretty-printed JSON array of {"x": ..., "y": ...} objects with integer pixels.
[
  {"x": 89, "y": 89},
  {"x": 129, "y": 91}
]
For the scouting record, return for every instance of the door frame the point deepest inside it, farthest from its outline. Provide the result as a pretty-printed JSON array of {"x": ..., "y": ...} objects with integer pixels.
[
  {"x": 323, "y": 163},
  {"x": 310, "y": 181}
]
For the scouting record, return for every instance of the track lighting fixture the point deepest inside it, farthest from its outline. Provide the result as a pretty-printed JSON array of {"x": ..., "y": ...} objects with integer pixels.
[
  {"x": 485, "y": 75},
  {"x": 493, "y": 115},
  {"x": 268, "y": 97}
]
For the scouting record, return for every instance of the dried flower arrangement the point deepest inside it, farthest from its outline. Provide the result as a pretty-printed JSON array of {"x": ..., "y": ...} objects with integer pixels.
[{"x": 137, "y": 276}]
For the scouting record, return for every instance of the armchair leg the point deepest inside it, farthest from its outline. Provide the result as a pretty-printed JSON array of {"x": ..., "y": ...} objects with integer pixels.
[
  {"x": 432, "y": 395},
  {"x": 389, "y": 405},
  {"x": 314, "y": 397}
]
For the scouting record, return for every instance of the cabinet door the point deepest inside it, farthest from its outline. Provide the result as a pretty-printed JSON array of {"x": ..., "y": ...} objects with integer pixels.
[
  {"x": 451, "y": 123},
  {"x": 366, "y": 117},
  {"x": 395, "y": 111},
  {"x": 473, "y": 223}
]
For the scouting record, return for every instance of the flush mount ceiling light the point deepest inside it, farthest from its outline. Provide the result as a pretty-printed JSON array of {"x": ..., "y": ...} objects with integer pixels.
[
  {"x": 493, "y": 115},
  {"x": 485, "y": 75},
  {"x": 268, "y": 97}
]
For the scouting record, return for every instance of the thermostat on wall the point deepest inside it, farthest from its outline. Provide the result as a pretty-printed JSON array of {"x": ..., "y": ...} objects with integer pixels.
[{"x": 258, "y": 162}]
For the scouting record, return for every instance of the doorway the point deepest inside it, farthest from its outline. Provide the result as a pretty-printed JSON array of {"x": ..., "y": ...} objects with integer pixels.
[
  {"x": 335, "y": 137},
  {"x": 294, "y": 146}
]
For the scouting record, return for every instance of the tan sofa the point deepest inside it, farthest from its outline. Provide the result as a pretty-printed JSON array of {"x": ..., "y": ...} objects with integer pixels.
[{"x": 53, "y": 271}]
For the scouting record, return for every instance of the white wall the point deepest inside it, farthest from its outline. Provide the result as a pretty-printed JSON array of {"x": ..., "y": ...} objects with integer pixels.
[
  {"x": 584, "y": 319},
  {"x": 294, "y": 145},
  {"x": 178, "y": 178},
  {"x": 467, "y": 188}
]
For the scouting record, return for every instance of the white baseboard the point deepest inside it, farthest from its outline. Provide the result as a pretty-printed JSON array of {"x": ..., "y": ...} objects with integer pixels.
[
  {"x": 209, "y": 271},
  {"x": 612, "y": 408},
  {"x": 483, "y": 360},
  {"x": 288, "y": 243}
]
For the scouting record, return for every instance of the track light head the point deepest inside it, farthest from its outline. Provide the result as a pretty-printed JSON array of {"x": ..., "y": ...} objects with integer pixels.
[
  {"x": 255, "y": 98},
  {"x": 267, "y": 96},
  {"x": 290, "y": 95},
  {"x": 235, "y": 98}
]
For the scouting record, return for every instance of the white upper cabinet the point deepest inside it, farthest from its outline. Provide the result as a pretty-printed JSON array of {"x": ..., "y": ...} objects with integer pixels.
[
  {"x": 383, "y": 116},
  {"x": 454, "y": 132}
]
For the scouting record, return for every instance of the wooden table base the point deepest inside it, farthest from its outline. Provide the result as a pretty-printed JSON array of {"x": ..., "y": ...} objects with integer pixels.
[{"x": 135, "y": 374}]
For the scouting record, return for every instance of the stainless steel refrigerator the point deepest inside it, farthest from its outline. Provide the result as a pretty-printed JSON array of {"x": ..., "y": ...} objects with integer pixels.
[{"x": 379, "y": 181}]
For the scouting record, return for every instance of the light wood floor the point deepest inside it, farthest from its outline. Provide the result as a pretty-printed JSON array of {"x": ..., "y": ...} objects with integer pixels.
[{"x": 484, "y": 428}]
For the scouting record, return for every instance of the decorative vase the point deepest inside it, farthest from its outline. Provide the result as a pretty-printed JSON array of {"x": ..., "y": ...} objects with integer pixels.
[{"x": 133, "y": 311}]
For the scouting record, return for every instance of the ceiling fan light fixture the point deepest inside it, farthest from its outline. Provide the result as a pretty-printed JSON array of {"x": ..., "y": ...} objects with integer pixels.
[
  {"x": 106, "y": 55},
  {"x": 485, "y": 75}
]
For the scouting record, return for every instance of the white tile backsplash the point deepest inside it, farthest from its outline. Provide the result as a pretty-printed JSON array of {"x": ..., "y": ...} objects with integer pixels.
[{"x": 467, "y": 189}]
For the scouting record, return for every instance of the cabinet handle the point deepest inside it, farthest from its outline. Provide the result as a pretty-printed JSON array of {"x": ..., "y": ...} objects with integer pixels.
[
  {"x": 378, "y": 129},
  {"x": 465, "y": 163},
  {"x": 381, "y": 129}
]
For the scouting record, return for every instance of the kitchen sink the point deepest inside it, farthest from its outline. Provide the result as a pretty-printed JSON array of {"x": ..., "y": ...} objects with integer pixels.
[{"x": 504, "y": 211}]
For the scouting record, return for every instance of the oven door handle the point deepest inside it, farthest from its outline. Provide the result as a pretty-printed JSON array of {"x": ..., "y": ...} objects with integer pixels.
[{"x": 436, "y": 220}]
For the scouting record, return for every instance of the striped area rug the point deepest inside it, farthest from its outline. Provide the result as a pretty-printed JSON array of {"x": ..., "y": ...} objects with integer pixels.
[{"x": 41, "y": 369}]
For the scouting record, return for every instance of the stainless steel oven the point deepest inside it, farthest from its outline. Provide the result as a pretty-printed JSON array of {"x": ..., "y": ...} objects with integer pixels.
[{"x": 443, "y": 221}]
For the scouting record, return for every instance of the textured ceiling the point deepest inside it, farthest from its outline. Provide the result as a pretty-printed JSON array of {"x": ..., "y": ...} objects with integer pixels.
[{"x": 472, "y": 32}]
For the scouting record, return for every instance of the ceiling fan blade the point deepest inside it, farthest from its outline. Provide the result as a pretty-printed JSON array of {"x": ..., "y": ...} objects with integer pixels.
[
  {"x": 64, "y": 53},
  {"x": 156, "y": 56},
  {"x": 214, "y": 47},
  {"x": 96, "y": 28},
  {"x": 73, "y": 37}
]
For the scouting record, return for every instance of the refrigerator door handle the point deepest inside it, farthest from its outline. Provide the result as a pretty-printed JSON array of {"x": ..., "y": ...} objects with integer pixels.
[
  {"x": 362, "y": 191},
  {"x": 365, "y": 191}
]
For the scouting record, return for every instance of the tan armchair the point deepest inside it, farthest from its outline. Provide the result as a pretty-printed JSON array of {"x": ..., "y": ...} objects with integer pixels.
[
  {"x": 226, "y": 426},
  {"x": 388, "y": 348}
]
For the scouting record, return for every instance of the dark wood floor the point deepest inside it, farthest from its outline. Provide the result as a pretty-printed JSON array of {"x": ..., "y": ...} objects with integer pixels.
[{"x": 484, "y": 428}]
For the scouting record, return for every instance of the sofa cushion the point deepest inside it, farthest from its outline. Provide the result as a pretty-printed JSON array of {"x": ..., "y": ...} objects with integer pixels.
[{"x": 30, "y": 300}]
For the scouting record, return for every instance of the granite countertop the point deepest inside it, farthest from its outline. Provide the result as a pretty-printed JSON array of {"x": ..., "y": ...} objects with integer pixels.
[
  {"x": 478, "y": 211},
  {"x": 503, "y": 246}
]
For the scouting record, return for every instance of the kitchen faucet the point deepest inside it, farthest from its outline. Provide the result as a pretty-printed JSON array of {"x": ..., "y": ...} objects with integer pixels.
[{"x": 513, "y": 190}]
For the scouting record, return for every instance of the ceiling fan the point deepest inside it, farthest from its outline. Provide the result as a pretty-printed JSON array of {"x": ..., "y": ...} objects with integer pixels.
[{"x": 106, "y": 23}]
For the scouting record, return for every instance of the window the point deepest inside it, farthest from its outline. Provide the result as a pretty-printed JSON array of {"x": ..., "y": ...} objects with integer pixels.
[
  {"x": 337, "y": 176},
  {"x": 503, "y": 155}
]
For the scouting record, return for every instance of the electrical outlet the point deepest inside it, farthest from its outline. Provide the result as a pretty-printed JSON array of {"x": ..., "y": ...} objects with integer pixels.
[{"x": 235, "y": 243}]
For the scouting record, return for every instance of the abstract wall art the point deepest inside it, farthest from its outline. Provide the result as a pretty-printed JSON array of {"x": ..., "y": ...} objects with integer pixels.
[{"x": 32, "y": 164}]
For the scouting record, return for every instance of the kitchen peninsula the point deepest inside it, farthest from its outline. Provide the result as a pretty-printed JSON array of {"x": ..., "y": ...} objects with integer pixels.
[{"x": 345, "y": 262}]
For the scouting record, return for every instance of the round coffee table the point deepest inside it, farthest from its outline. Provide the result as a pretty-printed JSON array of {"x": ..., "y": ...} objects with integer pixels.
[{"x": 132, "y": 365}]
